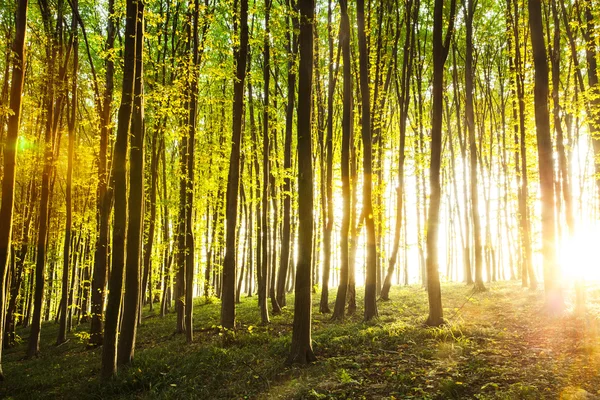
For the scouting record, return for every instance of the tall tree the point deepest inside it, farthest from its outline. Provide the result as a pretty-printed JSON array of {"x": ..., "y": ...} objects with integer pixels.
[
  {"x": 440, "y": 53},
  {"x": 265, "y": 212},
  {"x": 524, "y": 217},
  {"x": 328, "y": 203},
  {"x": 301, "y": 348},
  {"x": 545, "y": 158},
  {"x": 119, "y": 181},
  {"x": 53, "y": 30},
  {"x": 135, "y": 225},
  {"x": 292, "y": 49},
  {"x": 62, "y": 331},
  {"x": 103, "y": 197},
  {"x": 470, "y": 122},
  {"x": 403, "y": 95},
  {"x": 240, "y": 56},
  {"x": 340, "y": 301},
  {"x": 10, "y": 157},
  {"x": 371, "y": 267}
]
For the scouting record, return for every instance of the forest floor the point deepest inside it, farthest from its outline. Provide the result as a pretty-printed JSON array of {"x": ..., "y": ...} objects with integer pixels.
[{"x": 499, "y": 344}]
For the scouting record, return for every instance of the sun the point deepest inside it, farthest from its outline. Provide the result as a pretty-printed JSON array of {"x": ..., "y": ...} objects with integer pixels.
[{"x": 579, "y": 258}]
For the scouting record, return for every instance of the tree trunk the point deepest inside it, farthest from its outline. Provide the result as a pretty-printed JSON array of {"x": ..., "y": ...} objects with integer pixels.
[
  {"x": 10, "y": 156},
  {"x": 265, "y": 214},
  {"x": 33, "y": 348},
  {"x": 340, "y": 301},
  {"x": 100, "y": 274},
  {"x": 527, "y": 268},
  {"x": 135, "y": 227},
  {"x": 292, "y": 48},
  {"x": 152, "y": 225},
  {"x": 233, "y": 181},
  {"x": 301, "y": 348},
  {"x": 62, "y": 331},
  {"x": 119, "y": 180},
  {"x": 440, "y": 53},
  {"x": 554, "y": 300},
  {"x": 371, "y": 264},
  {"x": 403, "y": 94},
  {"x": 470, "y": 122}
]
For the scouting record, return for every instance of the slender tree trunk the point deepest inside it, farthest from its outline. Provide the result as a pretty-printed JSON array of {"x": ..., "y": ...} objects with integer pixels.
[
  {"x": 152, "y": 225},
  {"x": 10, "y": 156},
  {"x": 546, "y": 164},
  {"x": 328, "y": 221},
  {"x": 292, "y": 43},
  {"x": 354, "y": 232},
  {"x": 100, "y": 275},
  {"x": 166, "y": 258},
  {"x": 340, "y": 301},
  {"x": 265, "y": 213},
  {"x": 119, "y": 180},
  {"x": 301, "y": 348},
  {"x": 470, "y": 122},
  {"x": 233, "y": 181},
  {"x": 403, "y": 94},
  {"x": 33, "y": 347},
  {"x": 527, "y": 268},
  {"x": 371, "y": 266},
  {"x": 440, "y": 53},
  {"x": 62, "y": 330},
  {"x": 135, "y": 226}
]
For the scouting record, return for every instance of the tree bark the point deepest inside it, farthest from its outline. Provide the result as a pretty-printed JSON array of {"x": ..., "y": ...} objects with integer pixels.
[
  {"x": 265, "y": 213},
  {"x": 233, "y": 181},
  {"x": 119, "y": 180},
  {"x": 340, "y": 301},
  {"x": 103, "y": 200},
  {"x": 403, "y": 94},
  {"x": 371, "y": 267},
  {"x": 135, "y": 226},
  {"x": 62, "y": 330},
  {"x": 292, "y": 42},
  {"x": 10, "y": 156},
  {"x": 470, "y": 122},
  {"x": 301, "y": 348},
  {"x": 554, "y": 300},
  {"x": 440, "y": 53}
]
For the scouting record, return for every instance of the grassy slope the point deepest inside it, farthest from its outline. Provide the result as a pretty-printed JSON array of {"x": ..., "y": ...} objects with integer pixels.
[{"x": 498, "y": 344}]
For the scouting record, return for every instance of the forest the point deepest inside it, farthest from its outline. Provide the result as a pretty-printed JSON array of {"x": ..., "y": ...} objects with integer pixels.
[{"x": 299, "y": 199}]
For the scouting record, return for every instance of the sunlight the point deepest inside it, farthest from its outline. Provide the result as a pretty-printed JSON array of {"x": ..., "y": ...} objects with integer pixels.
[{"x": 578, "y": 257}]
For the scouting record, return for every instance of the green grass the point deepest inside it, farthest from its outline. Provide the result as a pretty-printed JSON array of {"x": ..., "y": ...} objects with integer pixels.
[{"x": 497, "y": 345}]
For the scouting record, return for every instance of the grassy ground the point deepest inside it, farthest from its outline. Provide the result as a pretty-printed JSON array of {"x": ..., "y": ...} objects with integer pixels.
[{"x": 497, "y": 345}]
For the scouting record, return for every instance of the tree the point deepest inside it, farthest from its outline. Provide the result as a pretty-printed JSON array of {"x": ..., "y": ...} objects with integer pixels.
[
  {"x": 62, "y": 332},
  {"x": 301, "y": 349},
  {"x": 53, "y": 78},
  {"x": 403, "y": 94},
  {"x": 10, "y": 156},
  {"x": 440, "y": 53},
  {"x": 119, "y": 180},
  {"x": 545, "y": 159},
  {"x": 470, "y": 122},
  {"x": 240, "y": 56},
  {"x": 292, "y": 49},
  {"x": 370, "y": 283},
  {"x": 328, "y": 203},
  {"x": 340, "y": 301},
  {"x": 135, "y": 211}
]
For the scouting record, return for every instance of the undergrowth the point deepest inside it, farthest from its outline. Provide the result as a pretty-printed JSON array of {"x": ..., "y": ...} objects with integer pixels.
[{"x": 497, "y": 344}]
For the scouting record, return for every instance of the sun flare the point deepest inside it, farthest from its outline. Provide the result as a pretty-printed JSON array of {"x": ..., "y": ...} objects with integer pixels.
[{"x": 578, "y": 257}]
